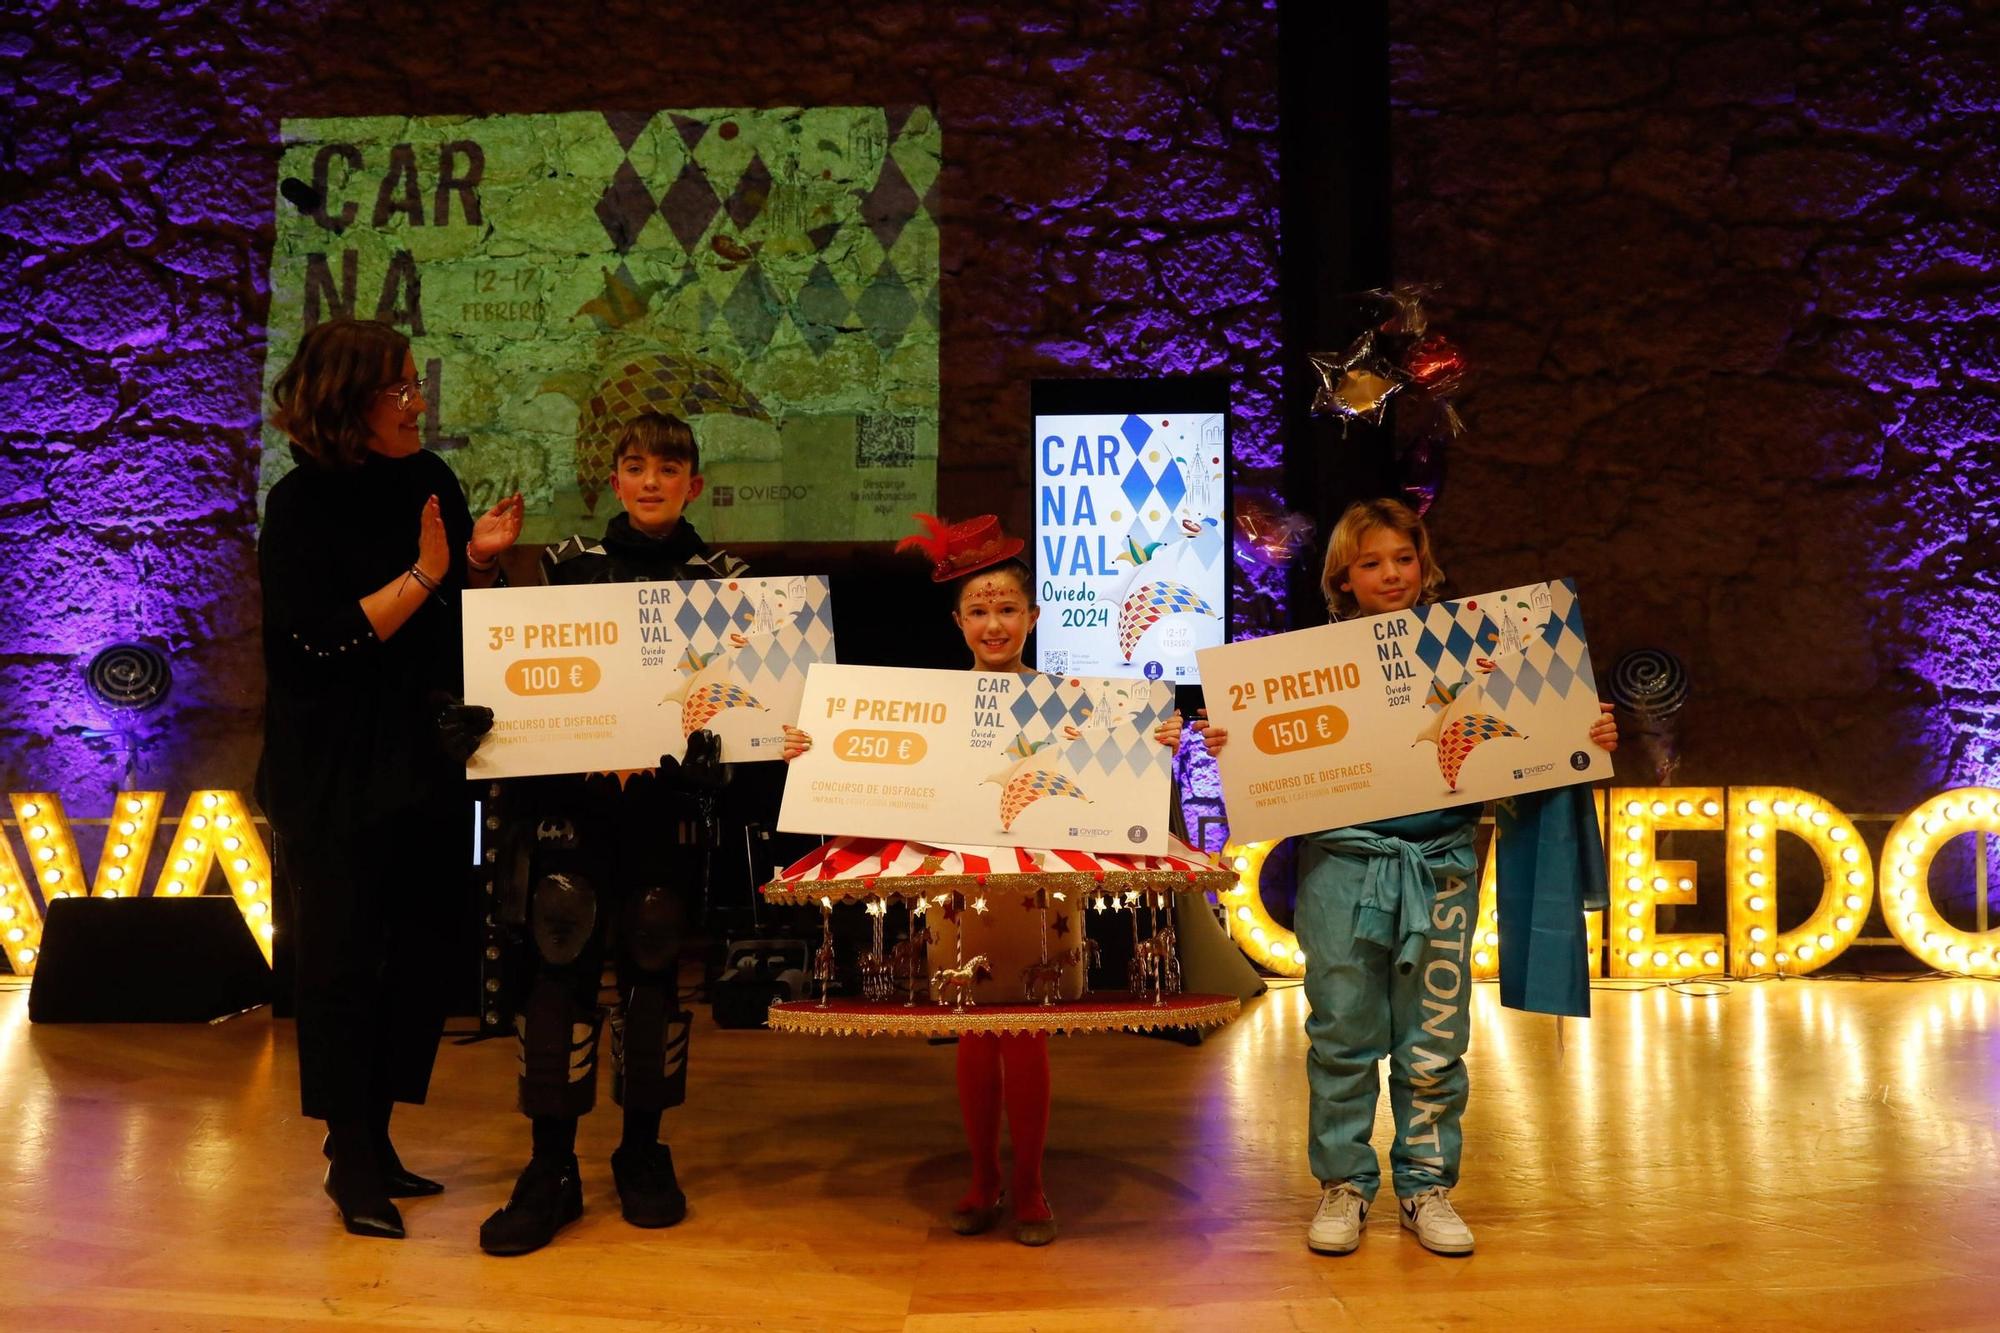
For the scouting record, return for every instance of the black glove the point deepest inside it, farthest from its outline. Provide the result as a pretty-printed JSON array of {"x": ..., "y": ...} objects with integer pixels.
[
  {"x": 461, "y": 727},
  {"x": 700, "y": 769}
]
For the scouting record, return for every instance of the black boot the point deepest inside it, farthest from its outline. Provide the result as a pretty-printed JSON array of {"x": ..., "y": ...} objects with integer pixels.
[
  {"x": 353, "y": 1181},
  {"x": 648, "y": 1194},
  {"x": 547, "y": 1198}
]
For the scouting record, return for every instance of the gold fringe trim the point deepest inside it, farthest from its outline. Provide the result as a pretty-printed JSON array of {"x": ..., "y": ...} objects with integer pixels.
[
  {"x": 1077, "y": 883},
  {"x": 892, "y": 1019}
]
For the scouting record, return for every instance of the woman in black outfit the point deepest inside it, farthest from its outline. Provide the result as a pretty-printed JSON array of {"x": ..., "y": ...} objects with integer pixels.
[{"x": 365, "y": 549}]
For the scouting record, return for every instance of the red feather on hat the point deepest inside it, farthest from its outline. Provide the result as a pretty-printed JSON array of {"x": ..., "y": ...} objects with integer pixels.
[{"x": 931, "y": 544}]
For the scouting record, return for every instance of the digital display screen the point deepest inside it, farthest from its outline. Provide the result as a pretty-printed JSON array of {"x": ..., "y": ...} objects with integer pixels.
[{"x": 1131, "y": 505}]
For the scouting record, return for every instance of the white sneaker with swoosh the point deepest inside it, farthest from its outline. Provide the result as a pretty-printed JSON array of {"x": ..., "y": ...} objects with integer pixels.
[
  {"x": 1438, "y": 1226},
  {"x": 1336, "y": 1227}
]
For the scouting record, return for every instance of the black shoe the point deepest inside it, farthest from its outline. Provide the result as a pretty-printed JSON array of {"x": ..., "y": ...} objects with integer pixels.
[
  {"x": 547, "y": 1198},
  {"x": 648, "y": 1194},
  {"x": 364, "y": 1210},
  {"x": 398, "y": 1182}
]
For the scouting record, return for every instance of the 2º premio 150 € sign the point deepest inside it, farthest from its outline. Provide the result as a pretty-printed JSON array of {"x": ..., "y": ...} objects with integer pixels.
[{"x": 1447, "y": 704}]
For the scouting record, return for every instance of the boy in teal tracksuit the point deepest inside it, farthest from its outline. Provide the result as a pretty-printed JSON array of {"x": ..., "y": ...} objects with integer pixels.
[{"x": 1385, "y": 917}]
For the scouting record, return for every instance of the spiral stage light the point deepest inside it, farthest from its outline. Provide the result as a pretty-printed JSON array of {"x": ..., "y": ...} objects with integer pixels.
[
  {"x": 1650, "y": 682},
  {"x": 1652, "y": 685},
  {"x": 127, "y": 680}
]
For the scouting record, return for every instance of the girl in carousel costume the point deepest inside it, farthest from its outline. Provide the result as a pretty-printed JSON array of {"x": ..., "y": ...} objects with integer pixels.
[{"x": 993, "y": 605}]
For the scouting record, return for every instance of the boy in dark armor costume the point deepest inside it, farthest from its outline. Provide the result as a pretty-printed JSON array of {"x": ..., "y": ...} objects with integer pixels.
[{"x": 611, "y": 864}]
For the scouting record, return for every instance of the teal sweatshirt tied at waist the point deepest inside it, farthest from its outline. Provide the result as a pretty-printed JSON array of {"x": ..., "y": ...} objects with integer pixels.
[{"x": 1405, "y": 859}]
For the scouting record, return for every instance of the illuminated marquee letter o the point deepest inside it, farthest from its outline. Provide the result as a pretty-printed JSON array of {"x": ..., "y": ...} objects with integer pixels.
[
  {"x": 1906, "y": 889},
  {"x": 1269, "y": 944}
]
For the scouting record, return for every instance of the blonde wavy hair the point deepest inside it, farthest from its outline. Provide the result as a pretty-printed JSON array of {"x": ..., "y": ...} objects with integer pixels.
[{"x": 1343, "y": 547}]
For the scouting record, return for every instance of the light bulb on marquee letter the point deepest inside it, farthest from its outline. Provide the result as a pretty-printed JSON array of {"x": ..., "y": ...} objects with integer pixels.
[
  {"x": 1756, "y": 816},
  {"x": 1269, "y": 944},
  {"x": 1639, "y": 880},
  {"x": 135, "y": 819},
  {"x": 1906, "y": 888},
  {"x": 1486, "y": 935},
  {"x": 18, "y": 906},
  {"x": 125, "y": 856},
  {"x": 248, "y": 872}
]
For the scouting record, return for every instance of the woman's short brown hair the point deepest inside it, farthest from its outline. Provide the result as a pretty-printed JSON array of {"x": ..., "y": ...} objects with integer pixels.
[
  {"x": 324, "y": 395},
  {"x": 1343, "y": 547}
]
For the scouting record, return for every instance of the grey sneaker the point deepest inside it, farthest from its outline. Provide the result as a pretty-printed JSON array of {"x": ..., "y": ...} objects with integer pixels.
[
  {"x": 1336, "y": 1227},
  {"x": 1438, "y": 1226}
]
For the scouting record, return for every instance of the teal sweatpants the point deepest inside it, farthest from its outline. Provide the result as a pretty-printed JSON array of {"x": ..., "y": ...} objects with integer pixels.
[{"x": 1364, "y": 1008}]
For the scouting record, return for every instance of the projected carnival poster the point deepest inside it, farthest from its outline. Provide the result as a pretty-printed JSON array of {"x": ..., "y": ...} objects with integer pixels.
[
  {"x": 1130, "y": 552},
  {"x": 771, "y": 276}
]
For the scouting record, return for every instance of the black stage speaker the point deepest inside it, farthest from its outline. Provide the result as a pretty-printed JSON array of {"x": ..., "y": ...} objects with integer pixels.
[{"x": 146, "y": 960}]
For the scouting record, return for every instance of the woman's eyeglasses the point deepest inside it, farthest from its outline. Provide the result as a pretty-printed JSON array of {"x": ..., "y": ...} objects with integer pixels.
[{"x": 408, "y": 392}]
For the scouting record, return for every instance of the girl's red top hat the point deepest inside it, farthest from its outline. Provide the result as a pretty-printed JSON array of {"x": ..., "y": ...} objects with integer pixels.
[{"x": 958, "y": 549}]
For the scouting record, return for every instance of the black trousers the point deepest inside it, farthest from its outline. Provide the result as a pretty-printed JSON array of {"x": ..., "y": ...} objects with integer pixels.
[{"x": 372, "y": 917}]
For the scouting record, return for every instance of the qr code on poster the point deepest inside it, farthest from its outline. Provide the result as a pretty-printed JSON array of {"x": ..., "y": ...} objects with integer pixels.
[
  {"x": 1055, "y": 661},
  {"x": 886, "y": 440}
]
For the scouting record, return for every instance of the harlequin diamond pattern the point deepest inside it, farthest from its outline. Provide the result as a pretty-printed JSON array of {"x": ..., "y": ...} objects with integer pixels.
[
  {"x": 753, "y": 188},
  {"x": 889, "y": 205},
  {"x": 1136, "y": 432},
  {"x": 803, "y": 635},
  {"x": 753, "y": 311},
  {"x": 821, "y": 309},
  {"x": 1137, "y": 484},
  {"x": 689, "y": 205},
  {"x": 886, "y": 307},
  {"x": 1554, "y": 659},
  {"x": 717, "y": 206},
  {"x": 625, "y": 208}
]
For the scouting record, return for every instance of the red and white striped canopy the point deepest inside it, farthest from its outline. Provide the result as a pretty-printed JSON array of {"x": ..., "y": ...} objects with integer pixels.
[{"x": 849, "y": 869}]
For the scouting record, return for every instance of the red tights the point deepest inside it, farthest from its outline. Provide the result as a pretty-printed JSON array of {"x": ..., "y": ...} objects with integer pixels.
[{"x": 1025, "y": 1089}]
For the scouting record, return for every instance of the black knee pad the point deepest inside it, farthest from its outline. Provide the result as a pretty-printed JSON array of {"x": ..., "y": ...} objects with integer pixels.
[
  {"x": 563, "y": 916},
  {"x": 558, "y": 1074},
  {"x": 655, "y": 920},
  {"x": 649, "y": 1050}
]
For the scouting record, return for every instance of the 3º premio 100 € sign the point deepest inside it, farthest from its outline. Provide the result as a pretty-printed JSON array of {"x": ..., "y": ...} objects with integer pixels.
[{"x": 613, "y": 676}]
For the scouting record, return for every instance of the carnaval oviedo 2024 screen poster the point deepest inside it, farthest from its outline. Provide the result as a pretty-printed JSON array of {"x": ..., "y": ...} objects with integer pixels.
[{"x": 1131, "y": 558}]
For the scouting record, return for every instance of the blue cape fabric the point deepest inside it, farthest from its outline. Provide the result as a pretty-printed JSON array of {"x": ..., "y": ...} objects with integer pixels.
[{"x": 1549, "y": 871}]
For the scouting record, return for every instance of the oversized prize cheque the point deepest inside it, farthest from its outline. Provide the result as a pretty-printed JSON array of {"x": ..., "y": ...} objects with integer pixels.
[
  {"x": 1398, "y": 713},
  {"x": 990, "y": 759},
  {"x": 583, "y": 678}
]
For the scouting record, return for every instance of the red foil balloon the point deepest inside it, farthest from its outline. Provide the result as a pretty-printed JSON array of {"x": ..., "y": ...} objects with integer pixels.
[{"x": 1435, "y": 365}]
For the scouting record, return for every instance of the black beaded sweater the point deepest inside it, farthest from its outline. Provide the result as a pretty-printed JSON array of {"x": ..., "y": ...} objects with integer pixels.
[{"x": 350, "y": 738}]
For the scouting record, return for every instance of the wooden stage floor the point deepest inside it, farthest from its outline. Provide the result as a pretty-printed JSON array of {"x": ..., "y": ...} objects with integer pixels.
[{"x": 1786, "y": 1155}]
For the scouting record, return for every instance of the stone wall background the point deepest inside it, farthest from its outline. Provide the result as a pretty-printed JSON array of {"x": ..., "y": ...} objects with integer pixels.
[
  {"x": 1725, "y": 275},
  {"x": 1110, "y": 191},
  {"x": 1723, "y": 272}
]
